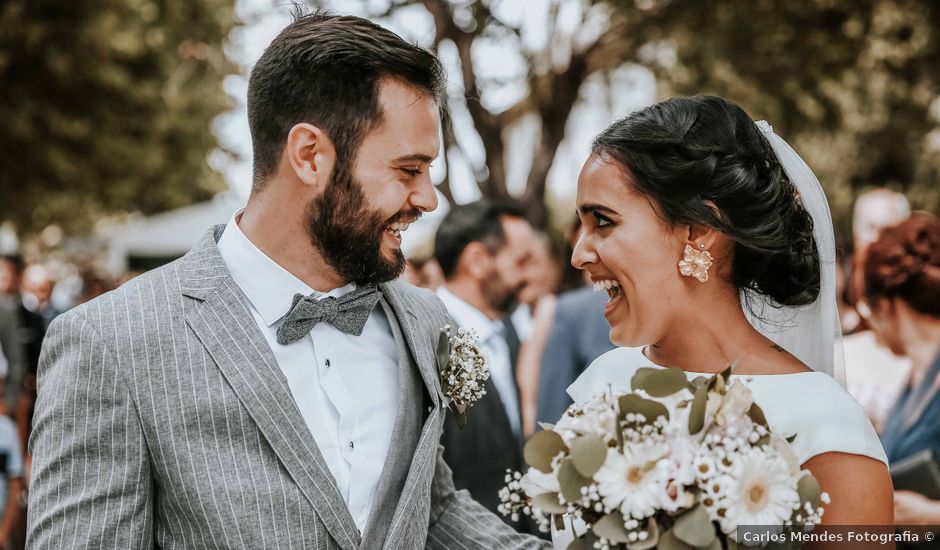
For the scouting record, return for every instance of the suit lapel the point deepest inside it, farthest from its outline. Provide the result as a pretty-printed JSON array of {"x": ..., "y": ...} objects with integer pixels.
[
  {"x": 417, "y": 337},
  {"x": 226, "y": 328}
]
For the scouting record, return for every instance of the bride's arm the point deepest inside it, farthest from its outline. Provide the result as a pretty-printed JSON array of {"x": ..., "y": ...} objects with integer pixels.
[{"x": 860, "y": 488}]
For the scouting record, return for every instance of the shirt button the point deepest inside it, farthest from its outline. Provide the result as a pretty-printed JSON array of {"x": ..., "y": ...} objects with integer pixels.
[
  {"x": 327, "y": 363},
  {"x": 352, "y": 446}
]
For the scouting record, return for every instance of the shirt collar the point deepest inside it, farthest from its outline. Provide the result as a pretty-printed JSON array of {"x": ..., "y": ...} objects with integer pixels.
[
  {"x": 269, "y": 287},
  {"x": 469, "y": 317}
]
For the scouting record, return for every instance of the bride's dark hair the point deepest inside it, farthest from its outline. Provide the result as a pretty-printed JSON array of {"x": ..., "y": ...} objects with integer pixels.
[{"x": 685, "y": 151}]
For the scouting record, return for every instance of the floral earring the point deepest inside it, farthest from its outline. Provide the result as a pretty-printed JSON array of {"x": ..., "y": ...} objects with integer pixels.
[{"x": 695, "y": 263}]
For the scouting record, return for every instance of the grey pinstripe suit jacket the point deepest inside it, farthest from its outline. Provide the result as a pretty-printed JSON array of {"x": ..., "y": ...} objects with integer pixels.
[{"x": 163, "y": 420}]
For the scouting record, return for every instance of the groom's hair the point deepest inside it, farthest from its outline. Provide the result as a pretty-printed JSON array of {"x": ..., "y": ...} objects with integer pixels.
[{"x": 325, "y": 70}]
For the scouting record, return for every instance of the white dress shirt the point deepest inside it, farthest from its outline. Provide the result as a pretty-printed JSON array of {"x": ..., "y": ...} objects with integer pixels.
[
  {"x": 492, "y": 334},
  {"x": 345, "y": 386}
]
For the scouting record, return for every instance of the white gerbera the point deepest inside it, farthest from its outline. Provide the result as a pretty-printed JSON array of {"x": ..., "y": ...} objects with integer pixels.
[
  {"x": 635, "y": 481},
  {"x": 762, "y": 491}
]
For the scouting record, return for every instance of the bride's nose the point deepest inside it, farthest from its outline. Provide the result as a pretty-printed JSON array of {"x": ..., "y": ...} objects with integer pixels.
[{"x": 583, "y": 253}]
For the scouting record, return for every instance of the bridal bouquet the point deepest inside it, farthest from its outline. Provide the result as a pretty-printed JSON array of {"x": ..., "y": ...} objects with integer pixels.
[{"x": 672, "y": 464}]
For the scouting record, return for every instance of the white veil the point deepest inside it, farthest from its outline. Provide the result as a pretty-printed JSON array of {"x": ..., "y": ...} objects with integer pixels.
[{"x": 811, "y": 333}]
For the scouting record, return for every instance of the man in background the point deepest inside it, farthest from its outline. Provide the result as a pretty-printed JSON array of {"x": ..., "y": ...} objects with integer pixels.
[{"x": 483, "y": 249}]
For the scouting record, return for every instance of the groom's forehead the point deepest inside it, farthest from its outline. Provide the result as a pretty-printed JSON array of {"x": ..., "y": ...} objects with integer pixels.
[{"x": 410, "y": 125}]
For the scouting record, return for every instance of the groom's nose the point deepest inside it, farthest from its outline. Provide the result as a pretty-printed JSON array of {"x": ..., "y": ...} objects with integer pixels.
[{"x": 424, "y": 197}]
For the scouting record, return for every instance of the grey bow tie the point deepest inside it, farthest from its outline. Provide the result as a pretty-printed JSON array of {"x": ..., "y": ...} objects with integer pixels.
[{"x": 347, "y": 313}]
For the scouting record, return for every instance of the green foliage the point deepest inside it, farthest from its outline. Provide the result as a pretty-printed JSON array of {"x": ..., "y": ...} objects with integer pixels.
[
  {"x": 851, "y": 84},
  {"x": 108, "y": 105}
]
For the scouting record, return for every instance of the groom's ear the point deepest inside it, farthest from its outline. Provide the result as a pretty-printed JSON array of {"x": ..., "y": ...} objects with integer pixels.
[{"x": 311, "y": 155}]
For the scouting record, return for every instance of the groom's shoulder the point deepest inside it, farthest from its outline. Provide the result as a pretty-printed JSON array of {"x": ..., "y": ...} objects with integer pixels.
[{"x": 156, "y": 289}]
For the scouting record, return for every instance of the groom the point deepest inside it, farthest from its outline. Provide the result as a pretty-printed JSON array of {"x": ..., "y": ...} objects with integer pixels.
[{"x": 275, "y": 387}]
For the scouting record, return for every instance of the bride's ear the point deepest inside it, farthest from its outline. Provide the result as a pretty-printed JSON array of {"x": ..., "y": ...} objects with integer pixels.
[{"x": 702, "y": 237}]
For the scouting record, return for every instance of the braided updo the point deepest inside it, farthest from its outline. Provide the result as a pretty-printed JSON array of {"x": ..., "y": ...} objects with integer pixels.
[
  {"x": 683, "y": 152},
  {"x": 905, "y": 262}
]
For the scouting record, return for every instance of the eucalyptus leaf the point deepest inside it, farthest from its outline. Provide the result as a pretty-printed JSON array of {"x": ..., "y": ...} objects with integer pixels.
[
  {"x": 633, "y": 403},
  {"x": 588, "y": 453},
  {"x": 652, "y": 541},
  {"x": 584, "y": 542},
  {"x": 791, "y": 439},
  {"x": 695, "y": 528},
  {"x": 571, "y": 481},
  {"x": 669, "y": 541},
  {"x": 638, "y": 381},
  {"x": 542, "y": 448},
  {"x": 757, "y": 415},
  {"x": 611, "y": 528},
  {"x": 664, "y": 382},
  {"x": 697, "y": 411},
  {"x": 809, "y": 490},
  {"x": 548, "y": 503},
  {"x": 443, "y": 350}
]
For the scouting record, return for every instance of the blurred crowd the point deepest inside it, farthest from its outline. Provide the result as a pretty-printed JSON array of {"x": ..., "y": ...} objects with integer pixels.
[{"x": 541, "y": 324}]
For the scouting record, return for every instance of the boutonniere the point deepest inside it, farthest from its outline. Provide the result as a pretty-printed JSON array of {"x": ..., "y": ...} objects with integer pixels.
[{"x": 463, "y": 371}]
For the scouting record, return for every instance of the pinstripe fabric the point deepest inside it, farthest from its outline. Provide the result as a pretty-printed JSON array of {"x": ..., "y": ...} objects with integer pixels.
[{"x": 163, "y": 420}]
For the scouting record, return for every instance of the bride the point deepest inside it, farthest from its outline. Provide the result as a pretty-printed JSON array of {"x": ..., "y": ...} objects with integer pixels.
[{"x": 714, "y": 242}]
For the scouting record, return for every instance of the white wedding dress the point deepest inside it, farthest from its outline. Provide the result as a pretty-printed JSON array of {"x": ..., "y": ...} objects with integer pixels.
[{"x": 812, "y": 405}]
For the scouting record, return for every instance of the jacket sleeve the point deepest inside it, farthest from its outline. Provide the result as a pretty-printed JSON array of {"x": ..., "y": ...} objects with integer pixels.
[{"x": 90, "y": 483}]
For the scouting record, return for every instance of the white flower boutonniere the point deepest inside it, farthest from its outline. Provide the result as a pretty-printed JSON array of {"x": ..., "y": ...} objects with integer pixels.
[{"x": 463, "y": 370}]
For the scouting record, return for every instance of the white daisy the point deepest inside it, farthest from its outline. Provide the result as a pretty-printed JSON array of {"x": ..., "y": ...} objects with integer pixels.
[
  {"x": 762, "y": 491},
  {"x": 635, "y": 481}
]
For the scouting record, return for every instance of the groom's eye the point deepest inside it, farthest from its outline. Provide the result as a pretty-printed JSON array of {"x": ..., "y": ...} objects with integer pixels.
[{"x": 412, "y": 171}]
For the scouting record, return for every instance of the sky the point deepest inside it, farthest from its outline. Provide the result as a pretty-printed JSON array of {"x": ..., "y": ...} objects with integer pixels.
[{"x": 631, "y": 88}]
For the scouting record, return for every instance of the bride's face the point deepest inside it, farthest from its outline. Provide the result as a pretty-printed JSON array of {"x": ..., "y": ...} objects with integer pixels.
[{"x": 624, "y": 240}]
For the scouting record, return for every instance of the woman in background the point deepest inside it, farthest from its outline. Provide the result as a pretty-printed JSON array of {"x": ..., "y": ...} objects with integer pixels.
[{"x": 902, "y": 290}]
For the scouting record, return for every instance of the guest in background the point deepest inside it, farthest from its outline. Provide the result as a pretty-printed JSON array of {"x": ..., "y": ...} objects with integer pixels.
[
  {"x": 873, "y": 375},
  {"x": 902, "y": 290},
  {"x": 11, "y": 481},
  {"x": 538, "y": 300},
  {"x": 483, "y": 249},
  {"x": 36, "y": 289}
]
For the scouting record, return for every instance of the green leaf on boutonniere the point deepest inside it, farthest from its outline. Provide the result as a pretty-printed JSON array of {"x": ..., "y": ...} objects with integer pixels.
[
  {"x": 542, "y": 448},
  {"x": 660, "y": 382},
  {"x": 757, "y": 415},
  {"x": 443, "y": 349},
  {"x": 588, "y": 453},
  {"x": 584, "y": 542},
  {"x": 697, "y": 412},
  {"x": 669, "y": 541}
]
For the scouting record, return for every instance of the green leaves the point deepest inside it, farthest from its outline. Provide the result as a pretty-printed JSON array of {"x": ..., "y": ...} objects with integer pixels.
[
  {"x": 697, "y": 412},
  {"x": 548, "y": 503},
  {"x": 809, "y": 490},
  {"x": 659, "y": 382},
  {"x": 611, "y": 528},
  {"x": 588, "y": 453},
  {"x": 571, "y": 481},
  {"x": 632, "y": 403},
  {"x": 695, "y": 528},
  {"x": 443, "y": 350},
  {"x": 542, "y": 448}
]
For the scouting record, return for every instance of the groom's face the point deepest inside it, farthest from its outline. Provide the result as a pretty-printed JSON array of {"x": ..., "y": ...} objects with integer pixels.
[{"x": 357, "y": 221}]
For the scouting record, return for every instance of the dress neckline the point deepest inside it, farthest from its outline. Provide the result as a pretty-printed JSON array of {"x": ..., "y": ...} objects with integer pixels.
[{"x": 699, "y": 373}]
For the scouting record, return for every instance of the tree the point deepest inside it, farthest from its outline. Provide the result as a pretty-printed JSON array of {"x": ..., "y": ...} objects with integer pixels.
[
  {"x": 107, "y": 106},
  {"x": 852, "y": 84}
]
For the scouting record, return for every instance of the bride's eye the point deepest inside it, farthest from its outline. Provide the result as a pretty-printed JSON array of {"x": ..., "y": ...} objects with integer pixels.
[{"x": 601, "y": 221}]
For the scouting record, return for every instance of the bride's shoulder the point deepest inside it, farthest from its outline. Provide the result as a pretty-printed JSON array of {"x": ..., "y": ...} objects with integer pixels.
[
  {"x": 614, "y": 369},
  {"x": 819, "y": 411}
]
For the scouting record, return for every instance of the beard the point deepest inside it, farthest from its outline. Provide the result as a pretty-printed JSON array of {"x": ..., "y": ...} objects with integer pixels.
[
  {"x": 349, "y": 235},
  {"x": 499, "y": 295}
]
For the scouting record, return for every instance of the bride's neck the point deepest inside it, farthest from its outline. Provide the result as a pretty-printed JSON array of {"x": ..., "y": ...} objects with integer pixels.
[{"x": 708, "y": 336}]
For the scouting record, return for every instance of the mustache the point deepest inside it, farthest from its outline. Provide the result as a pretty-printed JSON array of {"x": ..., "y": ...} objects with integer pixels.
[{"x": 409, "y": 216}]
